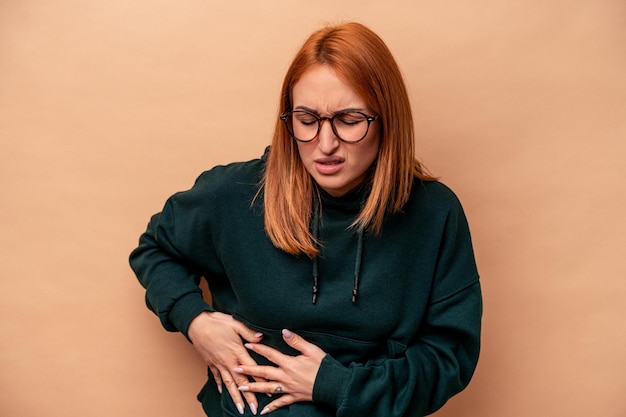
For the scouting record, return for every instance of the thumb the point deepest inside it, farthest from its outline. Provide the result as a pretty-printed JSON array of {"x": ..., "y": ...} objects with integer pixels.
[
  {"x": 293, "y": 340},
  {"x": 301, "y": 345}
]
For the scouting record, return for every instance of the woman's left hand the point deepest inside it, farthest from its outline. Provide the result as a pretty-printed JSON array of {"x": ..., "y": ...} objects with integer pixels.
[{"x": 293, "y": 377}]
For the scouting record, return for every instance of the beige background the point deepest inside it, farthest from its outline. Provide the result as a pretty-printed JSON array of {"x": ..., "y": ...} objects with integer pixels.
[{"x": 108, "y": 107}]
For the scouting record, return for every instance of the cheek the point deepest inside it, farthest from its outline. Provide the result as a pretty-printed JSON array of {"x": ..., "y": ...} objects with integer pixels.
[
  {"x": 369, "y": 153},
  {"x": 305, "y": 150}
]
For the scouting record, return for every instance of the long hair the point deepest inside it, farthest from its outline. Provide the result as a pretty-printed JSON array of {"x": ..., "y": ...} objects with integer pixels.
[{"x": 362, "y": 60}]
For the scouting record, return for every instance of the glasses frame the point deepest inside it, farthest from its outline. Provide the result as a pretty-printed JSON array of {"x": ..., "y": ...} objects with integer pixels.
[{"x": 285, "y": 116}]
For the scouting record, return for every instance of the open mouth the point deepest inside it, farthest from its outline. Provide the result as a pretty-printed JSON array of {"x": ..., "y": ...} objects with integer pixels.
[{"x": 328, "y": 166}]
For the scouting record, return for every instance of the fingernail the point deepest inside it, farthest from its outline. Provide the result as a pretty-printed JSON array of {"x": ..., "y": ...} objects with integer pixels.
[
  {"x": 253, "y": 408},
  {"x": 238, "y": 370},
  {"x": 287, "y": 334},
  {"x": 257, "y": 335},
  {"x": 248, "y": 345},
  {"x": 239, "y": 408},
  {"x": 244, "y": 388},
  {"x": 265, "y": 411}
]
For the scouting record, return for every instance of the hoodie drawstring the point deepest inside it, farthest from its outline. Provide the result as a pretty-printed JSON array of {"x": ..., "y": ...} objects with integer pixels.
[
  {"x": 357, "y": 266},
  {"x": 357, "y": 262},
  {"x": 316, "y": 221}
]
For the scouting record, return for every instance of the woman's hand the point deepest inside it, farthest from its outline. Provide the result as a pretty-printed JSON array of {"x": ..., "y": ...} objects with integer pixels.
[
  {"x": 217, "y": 338},
  {"x": 293, "y": 377}
]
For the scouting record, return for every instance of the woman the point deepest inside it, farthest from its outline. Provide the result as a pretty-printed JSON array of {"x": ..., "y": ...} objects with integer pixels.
[{"x": 342, "y": 276}]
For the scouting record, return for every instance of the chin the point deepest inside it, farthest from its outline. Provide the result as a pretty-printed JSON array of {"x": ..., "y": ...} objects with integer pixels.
[{"x": 334, "y": 189}]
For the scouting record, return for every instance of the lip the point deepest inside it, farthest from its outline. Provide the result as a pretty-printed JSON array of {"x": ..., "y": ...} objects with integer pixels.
[{"x": 329, "y": 165}]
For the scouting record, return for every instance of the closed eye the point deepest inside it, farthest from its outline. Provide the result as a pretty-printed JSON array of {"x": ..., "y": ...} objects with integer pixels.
[
  {"x": 305, "y": 118},
  {"x": 350, "y": 119}
]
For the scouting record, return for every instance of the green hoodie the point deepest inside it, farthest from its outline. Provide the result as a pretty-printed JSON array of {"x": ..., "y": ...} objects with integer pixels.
[{"x": 403, "y": 346}]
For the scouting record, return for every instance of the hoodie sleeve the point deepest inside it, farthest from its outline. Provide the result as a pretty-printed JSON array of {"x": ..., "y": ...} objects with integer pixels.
[
  {"x": 163, "y": 264},
  {"x": 439, "y": 361}
]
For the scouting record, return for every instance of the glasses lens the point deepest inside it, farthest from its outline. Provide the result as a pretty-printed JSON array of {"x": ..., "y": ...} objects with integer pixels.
[
  {"x": 351, "y": 126},
  {"x": 303, "y": 125}
]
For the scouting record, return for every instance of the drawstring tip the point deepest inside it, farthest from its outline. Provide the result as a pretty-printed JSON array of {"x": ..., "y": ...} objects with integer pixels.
[
  {"x": 355, "y": 290},
  {"x": 315, "y": 290}
]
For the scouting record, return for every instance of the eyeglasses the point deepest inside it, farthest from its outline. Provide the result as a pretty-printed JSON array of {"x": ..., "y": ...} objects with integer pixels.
[{"x": 348, "y": 126}]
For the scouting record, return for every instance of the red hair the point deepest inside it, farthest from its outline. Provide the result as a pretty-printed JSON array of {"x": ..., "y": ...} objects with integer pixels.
[{"x": 363, "y": 60}]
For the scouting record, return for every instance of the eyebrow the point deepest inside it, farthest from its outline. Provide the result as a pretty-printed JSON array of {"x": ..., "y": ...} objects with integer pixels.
[{"x": 315, "y": 112}]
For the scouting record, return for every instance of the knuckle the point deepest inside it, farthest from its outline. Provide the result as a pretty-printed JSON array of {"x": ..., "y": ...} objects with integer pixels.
[
  {"x": 241, "y": 381},
  {"x": 229, "y": 382}
]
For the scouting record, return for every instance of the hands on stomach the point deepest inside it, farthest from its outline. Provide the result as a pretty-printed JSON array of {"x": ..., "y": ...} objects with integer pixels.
[{"x": 218, "y": 339}]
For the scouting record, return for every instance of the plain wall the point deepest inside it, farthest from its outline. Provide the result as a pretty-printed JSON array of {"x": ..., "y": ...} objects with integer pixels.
[{"x": 108, "y": 107}]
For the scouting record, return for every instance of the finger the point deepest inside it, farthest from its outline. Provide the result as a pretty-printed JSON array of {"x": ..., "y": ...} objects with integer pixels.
[
  {"x": 298, "y": 343},
  {"x": 274, "y": 388},
  {"x": 244, "y": 358},
  {"x": 269, "y": 353},
  {"x": 251, "y": 401},
  {"x": 241, "y": 379},
  {"x": 305, "y": 347},
  {"x": 232, "y": 386},
  {"x": 247, "y": 333},
  {"x": 259, "y": 373},
  {"x": 278, "y": 403},
  {"x": 217, "y": 377}
]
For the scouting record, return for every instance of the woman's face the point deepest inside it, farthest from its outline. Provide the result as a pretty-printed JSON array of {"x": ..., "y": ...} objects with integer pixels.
[{"x": 336, "y": 166}]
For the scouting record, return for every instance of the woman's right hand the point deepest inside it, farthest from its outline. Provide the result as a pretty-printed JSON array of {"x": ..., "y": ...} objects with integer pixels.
[{"x": 218, "y": 339}]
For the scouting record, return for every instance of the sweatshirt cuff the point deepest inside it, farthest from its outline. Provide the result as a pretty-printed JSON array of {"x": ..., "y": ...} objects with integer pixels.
[
  {"x": 186, "y": 309},
  {"x": 330, "y": 382}
]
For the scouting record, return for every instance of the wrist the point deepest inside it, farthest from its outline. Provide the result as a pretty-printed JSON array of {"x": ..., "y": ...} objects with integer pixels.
[{"x": 186, "y": 310}]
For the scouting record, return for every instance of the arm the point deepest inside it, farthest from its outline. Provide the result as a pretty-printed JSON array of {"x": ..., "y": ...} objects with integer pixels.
[
  {"x": 172, "y": 291},
  {"x": 163, "y": 266},
  {"x": 435, "y": 367}
]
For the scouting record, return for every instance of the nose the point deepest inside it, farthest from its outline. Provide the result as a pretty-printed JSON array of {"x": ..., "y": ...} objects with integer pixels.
[{"x": 328, "y": 142}]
